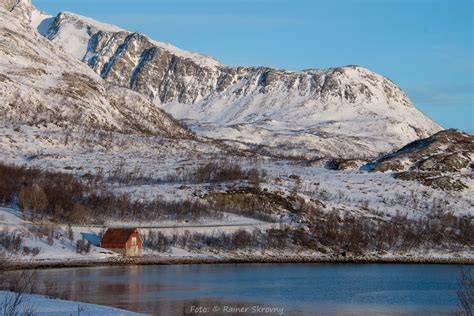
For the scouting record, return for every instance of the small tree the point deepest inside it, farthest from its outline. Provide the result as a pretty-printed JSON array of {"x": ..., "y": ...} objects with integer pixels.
[
  {"x": 241, "y": 239},
  {"x": 32, "y": 198},
  {"x": 70, "y": 232},
  {"x": 83, "y": 246}
]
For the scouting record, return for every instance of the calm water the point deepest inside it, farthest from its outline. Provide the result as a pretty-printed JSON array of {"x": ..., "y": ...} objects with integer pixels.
[{"x": 287, "y": 289}]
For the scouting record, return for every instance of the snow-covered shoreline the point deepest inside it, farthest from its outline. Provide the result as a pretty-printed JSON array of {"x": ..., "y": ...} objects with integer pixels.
[
  {"x": 42, "y": 305},
  {"x": 61, "y": 253},
  {"x": 159, "y": 260}
]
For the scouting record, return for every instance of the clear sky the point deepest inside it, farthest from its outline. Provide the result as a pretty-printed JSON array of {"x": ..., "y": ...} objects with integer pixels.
[{"x": 425, "y": 46}]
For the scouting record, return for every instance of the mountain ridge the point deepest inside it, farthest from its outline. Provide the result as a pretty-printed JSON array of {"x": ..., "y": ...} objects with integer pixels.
[{"x": 334, "y": 112}]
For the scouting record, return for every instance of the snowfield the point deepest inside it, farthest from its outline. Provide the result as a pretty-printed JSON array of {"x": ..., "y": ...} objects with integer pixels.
[
  {"x": 158, "y": 159},
  {"x": 42, "y": 305}
]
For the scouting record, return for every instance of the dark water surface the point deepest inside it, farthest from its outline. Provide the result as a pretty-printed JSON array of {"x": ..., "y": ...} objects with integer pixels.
[{"x": 277, "y": 289}]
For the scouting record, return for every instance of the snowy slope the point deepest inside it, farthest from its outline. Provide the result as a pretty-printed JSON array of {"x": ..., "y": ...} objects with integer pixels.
[
  {"x": 40, "y": 84},
  {"x": 349, "y": 191},
  {"x": 344, "y": 111}
]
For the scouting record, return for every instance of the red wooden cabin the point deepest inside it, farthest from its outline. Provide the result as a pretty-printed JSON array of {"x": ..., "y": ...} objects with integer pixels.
[{"x": 126, "y": 241}]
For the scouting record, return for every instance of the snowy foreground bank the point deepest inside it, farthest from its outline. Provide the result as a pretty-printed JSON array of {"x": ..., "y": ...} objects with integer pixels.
[{"x": 41, "y": 305}]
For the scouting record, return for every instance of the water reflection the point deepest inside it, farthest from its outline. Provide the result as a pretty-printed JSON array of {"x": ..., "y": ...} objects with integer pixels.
[{"x": 297, "y": 289}]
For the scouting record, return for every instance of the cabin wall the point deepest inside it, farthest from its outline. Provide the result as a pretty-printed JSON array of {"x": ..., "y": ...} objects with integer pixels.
[
  {"x": 134, "y": 250},
  {"x": 126, "y": 248}
]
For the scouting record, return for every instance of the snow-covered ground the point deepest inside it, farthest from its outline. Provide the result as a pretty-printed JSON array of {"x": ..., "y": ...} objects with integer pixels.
[
  {"x": 66, "y": 117},
  {"x": 42, "y": 305},
  {"x": 346, "y": 190},
  {"x": 157, "y": 161},
  {"x": 62, "y": 249}
]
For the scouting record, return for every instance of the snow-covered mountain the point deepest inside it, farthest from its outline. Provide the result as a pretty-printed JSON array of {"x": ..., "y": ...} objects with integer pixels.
[
  {"x": 344, "y": 111},
  {"x": 40, "y": 84}
]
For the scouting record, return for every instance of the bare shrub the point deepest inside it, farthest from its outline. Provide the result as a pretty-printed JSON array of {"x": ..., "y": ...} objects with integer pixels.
[
  {"x": 61, "y": 197},
  {"x": 157, "y": 241},
  {"x": 277, "y": 238},
  {"x": 241, "y": 239},
  {"x": 51, "y": 290},
  {"x": 83, "y": 246},
  {"x": 359, "y": 234},
  {"x": 250, "y": 202},
  {"x": 219, "y": 172},
  {"x": 19, "y": 284},
  {"x": 238, "y": 240},
  {"x": 32, "y": 198},
  {"x": 4, "y": 264},
  {"x": 10, "y": 241}
]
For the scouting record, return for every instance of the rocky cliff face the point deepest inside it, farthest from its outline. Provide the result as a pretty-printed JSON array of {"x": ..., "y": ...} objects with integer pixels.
[
  {"x": 168, "y": 74},
  {"x": 40, "y": 84},
  {"x": 8, "y": 4}
]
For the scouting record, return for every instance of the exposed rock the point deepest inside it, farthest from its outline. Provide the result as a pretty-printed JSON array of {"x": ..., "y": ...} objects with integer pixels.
[
  {"x": 343, "y": 164},
  {"x": 438, "y": 161},
  {"x": 445, "y": 162},
  {"x": 446, "y": 151},
  {"x": 433, "y": 179}
]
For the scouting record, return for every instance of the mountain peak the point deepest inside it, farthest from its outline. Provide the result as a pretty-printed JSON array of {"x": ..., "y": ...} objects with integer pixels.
[
  {"x": 68, "y": 24},
  {"x": 333, "y": 111},
  {"x": 82, "y": 21}
]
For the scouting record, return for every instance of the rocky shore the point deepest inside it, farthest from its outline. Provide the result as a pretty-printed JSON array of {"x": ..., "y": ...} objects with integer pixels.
[{"x": 158, "y": 260}]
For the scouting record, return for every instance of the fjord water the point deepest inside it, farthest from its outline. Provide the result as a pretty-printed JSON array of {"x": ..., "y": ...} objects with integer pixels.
[{"x": 289, "y": 289}]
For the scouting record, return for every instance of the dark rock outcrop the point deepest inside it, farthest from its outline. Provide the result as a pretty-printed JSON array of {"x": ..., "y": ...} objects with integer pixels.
[{"x": 439, "y": 161}]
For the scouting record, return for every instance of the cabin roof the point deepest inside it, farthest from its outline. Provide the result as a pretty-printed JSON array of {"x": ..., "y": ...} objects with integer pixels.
[{"x": 117, "y": 235}]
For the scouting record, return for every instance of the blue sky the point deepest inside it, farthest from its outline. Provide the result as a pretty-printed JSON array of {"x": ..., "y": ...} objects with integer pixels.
[{"x": 425, "y": 46}]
